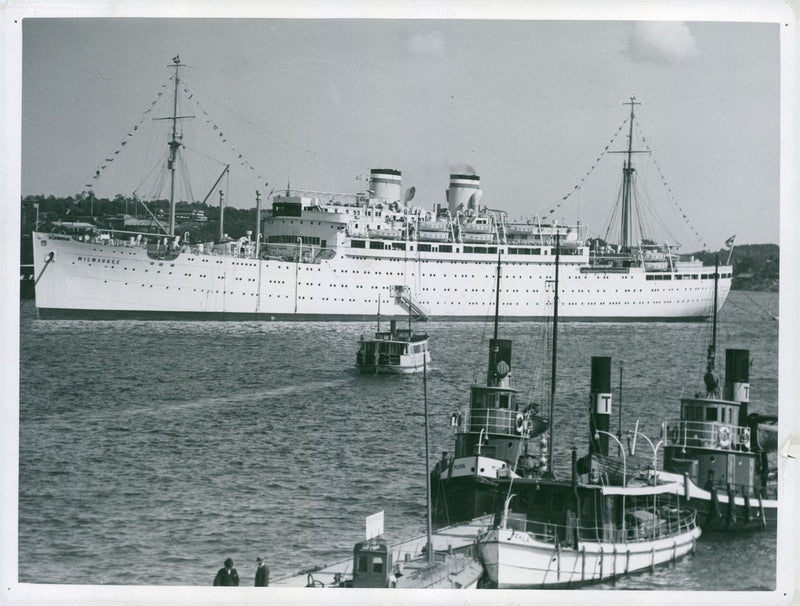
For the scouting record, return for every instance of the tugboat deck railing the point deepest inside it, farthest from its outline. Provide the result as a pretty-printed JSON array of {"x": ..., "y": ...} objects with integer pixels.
[
  {"x": 707, "y": 434},
  {"x": 496, "y": 421}
]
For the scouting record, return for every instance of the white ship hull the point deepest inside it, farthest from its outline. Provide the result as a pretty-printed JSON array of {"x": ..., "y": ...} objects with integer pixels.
[
  {"x": 515, "y": 560},
  {"x": 104, "y": 280}
]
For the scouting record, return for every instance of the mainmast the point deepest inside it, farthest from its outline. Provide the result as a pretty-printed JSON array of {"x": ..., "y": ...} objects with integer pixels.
[
  {"x": 627, "y": 181},
  {"x": 174, "y": 144}
]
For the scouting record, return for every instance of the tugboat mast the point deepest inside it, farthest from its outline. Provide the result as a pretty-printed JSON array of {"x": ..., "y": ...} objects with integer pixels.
[
  {"x": 497, "y": 294},
  {"x": 710, "y": 378},
  {"x": 551, "y": 410}
]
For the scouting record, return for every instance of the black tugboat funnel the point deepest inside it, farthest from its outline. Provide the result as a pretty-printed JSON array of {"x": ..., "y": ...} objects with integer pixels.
[
  {"x": 600, "y": 405},
  {"x": 499, "y": 363},
  {"x": 737, "y": 379}
]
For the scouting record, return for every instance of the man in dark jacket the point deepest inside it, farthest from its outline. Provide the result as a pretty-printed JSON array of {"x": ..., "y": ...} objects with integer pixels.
[
  {"x": 262, "y": 573},
  {"x": 227, "y": 576}
]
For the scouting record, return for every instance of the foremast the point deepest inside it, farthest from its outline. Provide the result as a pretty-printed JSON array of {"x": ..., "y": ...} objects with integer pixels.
[{"x": 175, "y": 142}]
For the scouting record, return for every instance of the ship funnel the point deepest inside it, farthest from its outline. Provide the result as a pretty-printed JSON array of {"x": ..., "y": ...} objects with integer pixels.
[
  {"x": 386, "y": 185},
  {"x": 600, "y": 405},
  {"x": 461, "y": 190},
  {"x": 737, "y": 378},
  {"x": 499, "y": 373}
]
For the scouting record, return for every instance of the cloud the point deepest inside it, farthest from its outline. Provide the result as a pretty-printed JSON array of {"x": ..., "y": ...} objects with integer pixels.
[
  {"x": 669, "y": 42},
  {"x": 430, "y": 44}
]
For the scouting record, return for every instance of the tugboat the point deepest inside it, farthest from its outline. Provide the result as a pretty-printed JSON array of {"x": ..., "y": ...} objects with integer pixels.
[
  {"x": 613, "y": 517},
  {"x": 492, "y": 439},
  {"x": 719, "y": 452}
]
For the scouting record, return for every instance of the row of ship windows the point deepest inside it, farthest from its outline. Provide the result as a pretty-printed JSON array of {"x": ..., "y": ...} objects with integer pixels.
[
  {"x": 424, "y": 289},
  {"x": 502, "y": 304},
  {"x": 448, "y": 248},
  {"x": 423, "y": 275},
  {"x": 445, "y": 276},
  {"x": 205, "y": 290},
  {"x": 686, "y": 276},
  {"x": 291, "y": 222}
]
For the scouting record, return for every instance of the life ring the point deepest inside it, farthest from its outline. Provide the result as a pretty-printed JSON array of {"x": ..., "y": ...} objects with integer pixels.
[
  {"x": 724, "y": 436},
  {"x": 746, "y": 437},
  {"x": 675, "y": 434},
  {"x": 520, "y": 422}
]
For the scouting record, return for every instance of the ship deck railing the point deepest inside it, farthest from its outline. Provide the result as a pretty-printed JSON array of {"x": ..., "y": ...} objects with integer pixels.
[
  {"x": 707, "y": 434},
  {"x": 160, "y": 244},
  {"x": 664, "y": 522}
]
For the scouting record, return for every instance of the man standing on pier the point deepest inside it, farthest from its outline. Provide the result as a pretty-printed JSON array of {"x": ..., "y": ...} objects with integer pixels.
[
  {"x": 227, "y": 576},
  {"x": 262, "y": 573}
]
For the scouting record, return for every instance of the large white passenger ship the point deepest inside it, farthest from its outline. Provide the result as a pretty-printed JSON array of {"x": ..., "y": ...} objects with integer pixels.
[{"x": 333, "y": 256}]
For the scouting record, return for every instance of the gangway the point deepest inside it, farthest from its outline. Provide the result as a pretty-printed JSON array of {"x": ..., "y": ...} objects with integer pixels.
[{"x": 403, "y": 297}]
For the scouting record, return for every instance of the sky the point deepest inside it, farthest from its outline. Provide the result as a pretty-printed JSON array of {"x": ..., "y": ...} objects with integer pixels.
[{"x": 528, "y": 105}]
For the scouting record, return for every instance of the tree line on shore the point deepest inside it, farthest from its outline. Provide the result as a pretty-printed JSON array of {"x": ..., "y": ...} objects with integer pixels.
[{"x": 755, "y": 266}]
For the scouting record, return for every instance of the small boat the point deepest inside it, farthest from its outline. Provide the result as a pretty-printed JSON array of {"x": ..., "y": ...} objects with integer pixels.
[
  {"x": 475, "y": 238},
  {"x": 766, "y": 431},
  {"x": 396, "y": 351},
  {"x": 478, "y": 226},
  {"x": 433, "y": 236},
  {"x": 457, "y": 539},
  {"x": 373, "y": 564},
  {"x": 386, "y": 234},
  {"x": 719, "y": 452},
  {"x": 373, "y": 567},
  {"x": 436, "y": 226}
]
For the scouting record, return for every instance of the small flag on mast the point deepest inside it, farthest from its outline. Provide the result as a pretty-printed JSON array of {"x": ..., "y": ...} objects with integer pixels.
[{"x": 729, "y": 241}]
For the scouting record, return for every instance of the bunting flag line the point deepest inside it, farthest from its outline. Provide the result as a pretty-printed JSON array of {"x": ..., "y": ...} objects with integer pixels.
[
  {"x": 584, "y": 177},
  {"x": 109, "y": 159},
  {"x": 667, "y": 186},
  {"x": 191, "y": 95}
]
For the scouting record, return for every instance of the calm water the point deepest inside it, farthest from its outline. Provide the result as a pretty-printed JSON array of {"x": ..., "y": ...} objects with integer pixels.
[{"x": 179, "y": 444}]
